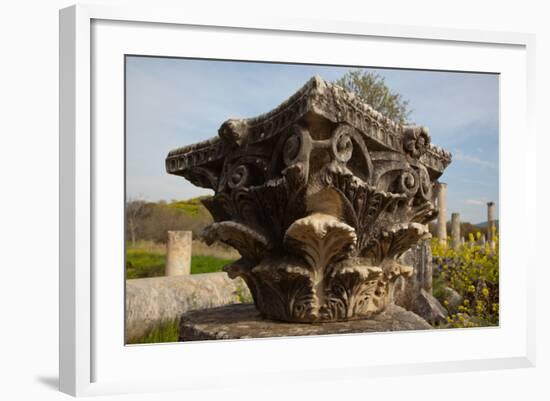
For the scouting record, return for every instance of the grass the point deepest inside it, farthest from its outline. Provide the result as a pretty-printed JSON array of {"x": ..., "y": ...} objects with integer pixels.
[
  {"x": 165, "y": 332},
  {"x": 207, "y": 264},
  {"x": 141, "y": 263}
]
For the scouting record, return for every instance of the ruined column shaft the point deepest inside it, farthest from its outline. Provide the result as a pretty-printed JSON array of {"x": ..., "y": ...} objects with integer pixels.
[
  {"x": 491, "y": 224},
  {"x": 178, "y": 253},
  {"x": 482, "y": 241},
  {"x": 455, "y": 231},
  {"x": 442, "y": 215}
]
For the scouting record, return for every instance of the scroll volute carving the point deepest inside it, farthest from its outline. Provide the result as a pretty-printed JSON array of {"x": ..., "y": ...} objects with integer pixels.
[
  {"x": 319, "y": 203},
  {"x": 294, "y": 155}
]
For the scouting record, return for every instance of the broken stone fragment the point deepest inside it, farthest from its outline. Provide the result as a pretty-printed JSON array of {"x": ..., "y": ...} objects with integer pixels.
[
  {"x": 430, "y": 309},
  {"x": 453, "y": 298}
]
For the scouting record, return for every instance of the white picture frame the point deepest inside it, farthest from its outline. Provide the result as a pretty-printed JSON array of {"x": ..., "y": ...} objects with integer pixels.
[{"x": 91, "y": 362}]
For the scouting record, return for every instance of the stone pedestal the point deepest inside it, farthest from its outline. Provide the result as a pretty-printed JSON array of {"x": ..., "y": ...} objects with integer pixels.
[
  {"x": 320, "y": 196},
  {"x": 178, "y": 253},
  {"x": 244, "y": 321}
]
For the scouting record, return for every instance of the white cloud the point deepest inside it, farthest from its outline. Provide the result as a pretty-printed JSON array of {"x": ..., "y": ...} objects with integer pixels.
[
  {"x": 477, "y": 202},
  {"x": 487, "y": 184},
  {"x": 459, "y": 155}
]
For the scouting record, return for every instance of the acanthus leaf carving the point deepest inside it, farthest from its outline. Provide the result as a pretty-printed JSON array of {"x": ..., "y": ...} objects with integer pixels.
[
  {"x": 251, "y": 244},
  {"x": 391, "y": 243}
]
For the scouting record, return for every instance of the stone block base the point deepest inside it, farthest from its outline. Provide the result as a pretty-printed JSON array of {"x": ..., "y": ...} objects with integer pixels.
[
  {"x": 244, "y": 321},
  {"x": 152, "y": 301}
]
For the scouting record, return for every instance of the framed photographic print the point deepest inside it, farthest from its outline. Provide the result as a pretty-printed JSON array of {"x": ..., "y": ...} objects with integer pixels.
[{"x": 338, "y": 195}]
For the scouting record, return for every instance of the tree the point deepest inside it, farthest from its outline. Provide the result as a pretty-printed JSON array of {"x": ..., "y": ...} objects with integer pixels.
[
  {"x": 372, "y": 88},
  {"x": 134, "y": 211},
  {"x": 150, "y": 221}
]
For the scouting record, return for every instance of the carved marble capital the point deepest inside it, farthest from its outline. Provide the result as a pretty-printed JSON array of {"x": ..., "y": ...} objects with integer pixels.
[{"x": 320, "y": 196}]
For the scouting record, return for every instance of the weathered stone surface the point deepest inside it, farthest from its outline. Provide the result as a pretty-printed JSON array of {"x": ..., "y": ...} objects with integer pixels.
[
  {"x": 454, "y": 299},
  {"x": 419, "y": 256},
  {"x": 320, "y": 196},
  {"x": 409, "y": 292},
  {"x": 244, "y": 321},
  {"x": 150, "y": 301},
  {"x": 430, "y": 309},
  {"x": 415, "y": 293}
]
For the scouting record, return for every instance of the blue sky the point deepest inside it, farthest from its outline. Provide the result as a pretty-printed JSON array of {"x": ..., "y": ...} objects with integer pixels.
[{"x": 173, "y": 102}]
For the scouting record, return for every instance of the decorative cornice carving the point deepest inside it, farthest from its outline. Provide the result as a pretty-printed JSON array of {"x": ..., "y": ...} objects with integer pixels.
[{"x": 316, "y": 98}]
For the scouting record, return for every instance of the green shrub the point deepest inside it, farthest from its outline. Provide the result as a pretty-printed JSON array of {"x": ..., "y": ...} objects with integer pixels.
[
  {"x": 473, "y": 272},
  {"x": 193, "y": 206}
]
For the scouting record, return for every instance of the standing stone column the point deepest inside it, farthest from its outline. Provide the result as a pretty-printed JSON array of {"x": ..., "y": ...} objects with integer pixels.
[
  {"x": 491, "y": 225},
  {"x": 442, "y": 216},
  {"x": 455, "y": 230},
  {"x": 178, "y": 253},
  {"x": 482, "y": 241}
]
